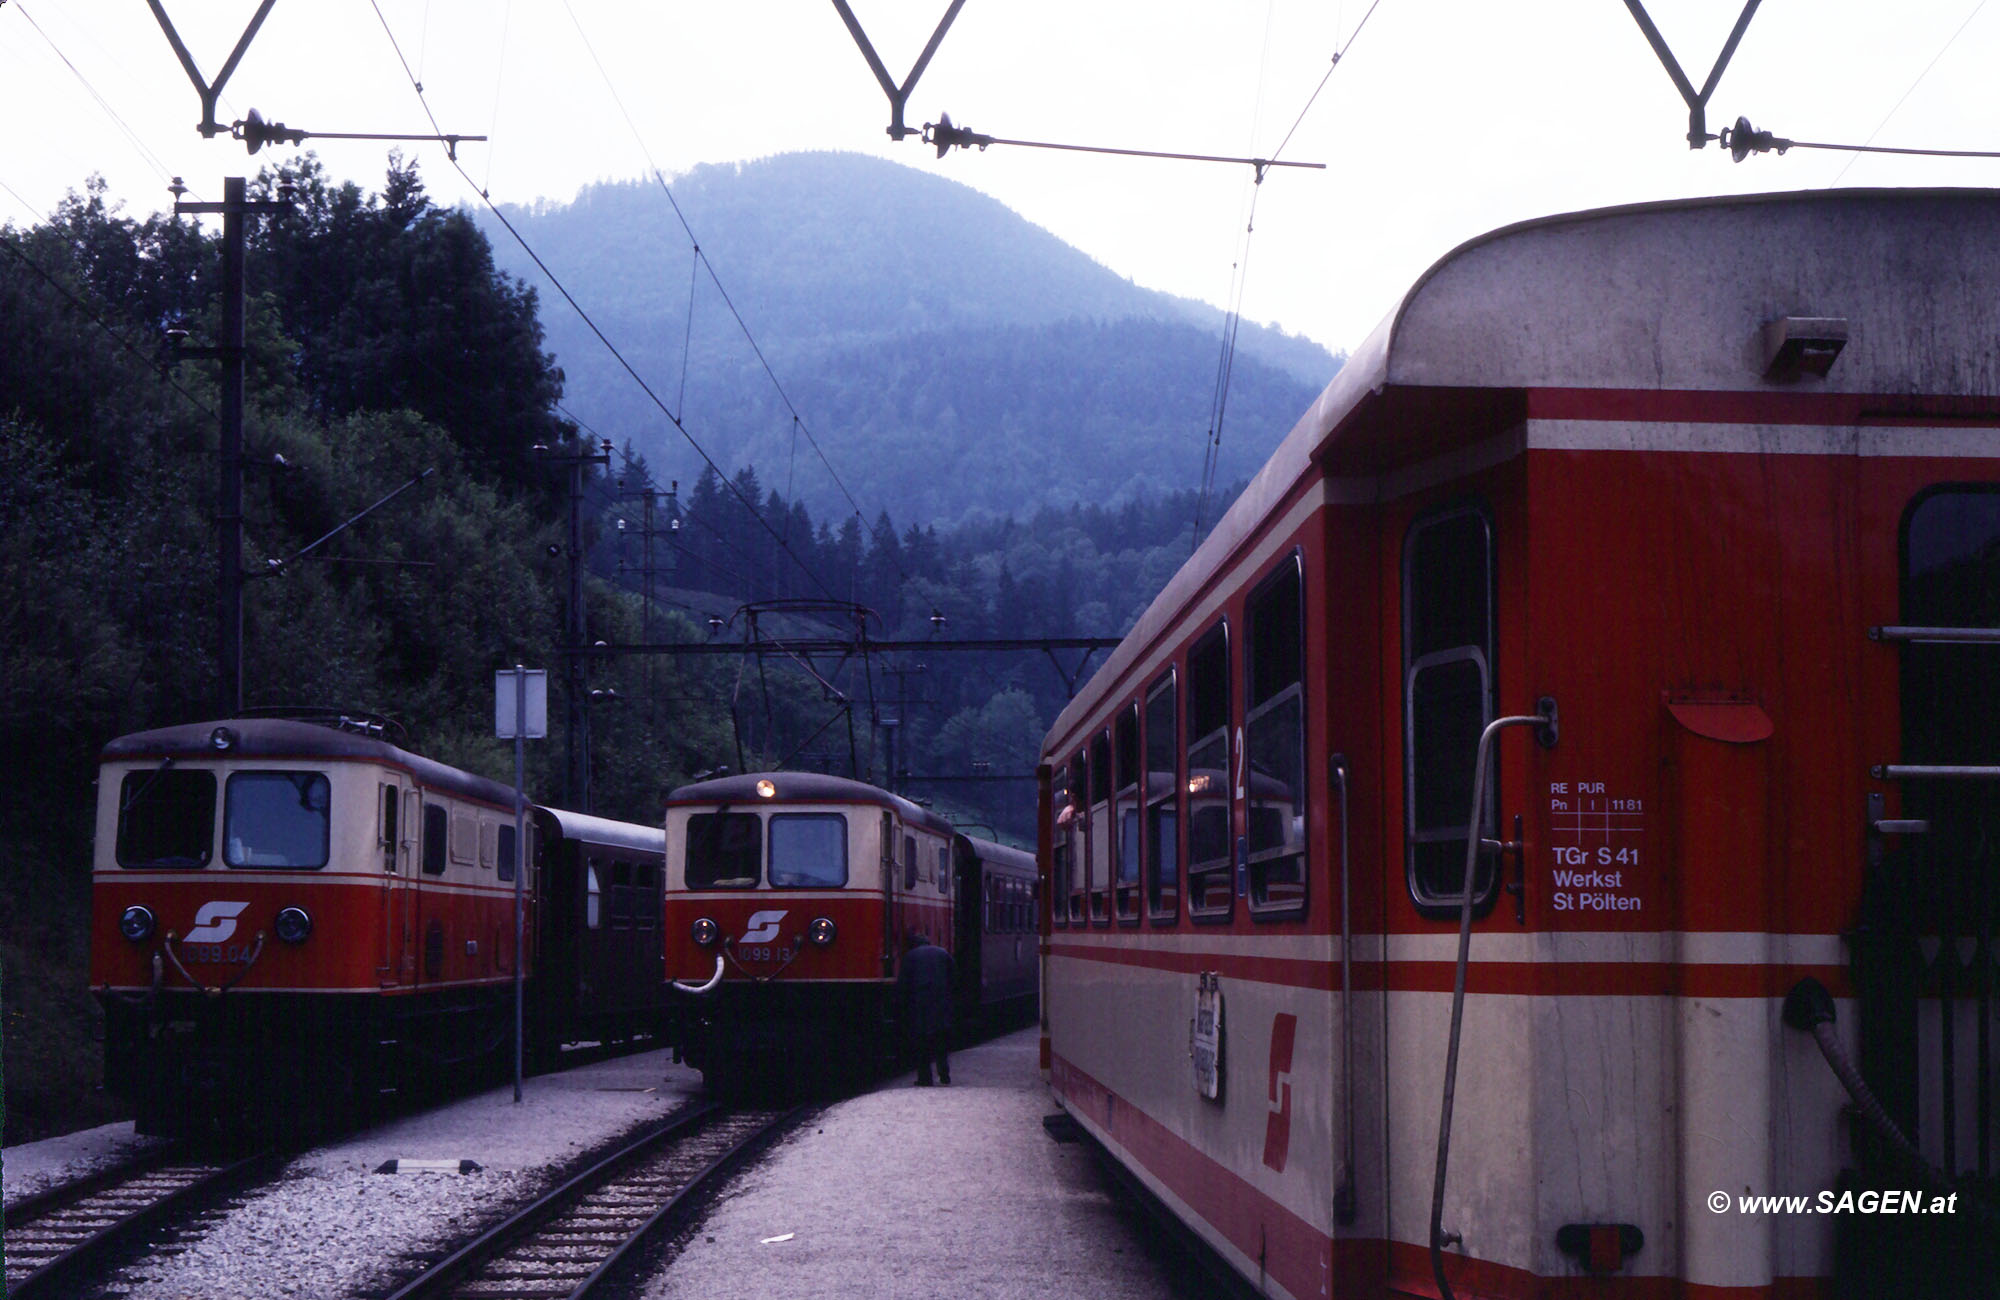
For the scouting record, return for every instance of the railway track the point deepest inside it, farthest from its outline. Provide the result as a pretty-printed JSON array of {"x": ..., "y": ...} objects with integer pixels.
[
  {"x": 566, "y": 1242},
  {"x": 57, "y": 1239}
]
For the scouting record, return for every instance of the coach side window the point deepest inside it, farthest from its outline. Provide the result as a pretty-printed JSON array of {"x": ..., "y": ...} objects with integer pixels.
[
  {"x": 1208, "y": 775},
  {"x": 437, "y": 825},
  {"x": 1125, "y": 765},
  {"x": 646, "y": 896},
  {"x": 1059, "y": 845},
  {"x": 1163, "y": 804},
  {"x": 1100, "y": 827},
  {"x": 1274, "y": 731},
  {"x": 1079, "y": 843},
  {"x": 1950, "y": 688},
  {"x": 622, "y": 911},
  {"x": 1447, "y": 698}
]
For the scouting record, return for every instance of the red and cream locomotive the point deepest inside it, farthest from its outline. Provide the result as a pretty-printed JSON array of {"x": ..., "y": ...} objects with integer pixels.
[
  {"x": 789, "y": 898},
  {"x": 289, "y": 917},
  {"x": 1560, "y": 801}
]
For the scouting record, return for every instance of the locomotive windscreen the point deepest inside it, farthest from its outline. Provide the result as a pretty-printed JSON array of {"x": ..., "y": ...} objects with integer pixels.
[
  {"x": 809, "y": 850},
  {"x": 166, "y": 819},
  {"x": 276, "y": 819},
  {"x": 725, "y": 850}
]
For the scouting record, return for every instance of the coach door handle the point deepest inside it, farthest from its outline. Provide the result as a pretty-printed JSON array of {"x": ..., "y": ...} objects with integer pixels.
[{"x": 1504, "y": 851}]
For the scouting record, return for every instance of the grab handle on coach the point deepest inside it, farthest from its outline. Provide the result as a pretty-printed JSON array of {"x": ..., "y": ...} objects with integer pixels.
[{"x": 1546, "y": 722}]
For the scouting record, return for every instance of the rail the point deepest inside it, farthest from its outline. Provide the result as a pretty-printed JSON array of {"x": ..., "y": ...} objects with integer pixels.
[
  {"x": 63, "y": 1237},
  {"x": 573, "y": 1237}
]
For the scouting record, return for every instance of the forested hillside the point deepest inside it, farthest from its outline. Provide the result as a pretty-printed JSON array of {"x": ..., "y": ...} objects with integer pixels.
[{"x": 947, "y": 355}]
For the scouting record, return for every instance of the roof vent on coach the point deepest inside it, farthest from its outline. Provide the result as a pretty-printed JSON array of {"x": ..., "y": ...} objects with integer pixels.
[{"x": 1802, "y": 345}]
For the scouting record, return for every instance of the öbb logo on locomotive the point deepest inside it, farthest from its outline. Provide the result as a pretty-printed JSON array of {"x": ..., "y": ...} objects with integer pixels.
[
  {"x": 215, "y": 921},
  {"x": 763, "y": 926}
]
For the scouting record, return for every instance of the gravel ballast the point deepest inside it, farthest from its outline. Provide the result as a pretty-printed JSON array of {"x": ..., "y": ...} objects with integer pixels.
[{"x": 332, "y": 1227}]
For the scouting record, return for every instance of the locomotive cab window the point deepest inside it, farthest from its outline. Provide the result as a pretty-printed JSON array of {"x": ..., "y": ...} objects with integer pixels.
[
  {"x": 437, "y": 821},
  {"x": 1163, "y": 804},
  {"x": 725, "y": 850},
  {"x": 276, "y": 819},
  {"x": 1125, "y": 783},
  {"x": 387, "y": 837},
  {"x": 504, "y": 854},
  {"x": 808, "y": 850},
  {"x": 1208, "y": 776},
  {"x": 1275, "y": 742},
  {"x": 593, "y": 896},
  {"x": 1447, "y": 701},
  {"x": 166, "y": 819}
]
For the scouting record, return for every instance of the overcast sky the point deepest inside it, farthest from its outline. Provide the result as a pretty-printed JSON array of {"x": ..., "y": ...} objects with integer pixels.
[{"x": 1446, "y": 118}]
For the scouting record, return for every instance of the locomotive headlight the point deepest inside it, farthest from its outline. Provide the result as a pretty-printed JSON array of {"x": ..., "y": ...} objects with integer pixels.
[
  {"x": 293, "y": 925},
  {"x": 222, "y": 738},
  {"x": 706, "y": 932},
  {"x": 821, "y": 931},
  {"x": 767, "y": 789},
  {"x": 136, "y": 924}
]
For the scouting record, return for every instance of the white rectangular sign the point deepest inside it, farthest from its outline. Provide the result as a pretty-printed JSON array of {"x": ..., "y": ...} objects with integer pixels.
[
  {"x": 506, "y": 689},
  {"x": 1205, "y": 1038}
]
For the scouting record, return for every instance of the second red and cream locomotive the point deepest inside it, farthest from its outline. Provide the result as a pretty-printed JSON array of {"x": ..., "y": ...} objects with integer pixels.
[{"x": 790, "y": 896}]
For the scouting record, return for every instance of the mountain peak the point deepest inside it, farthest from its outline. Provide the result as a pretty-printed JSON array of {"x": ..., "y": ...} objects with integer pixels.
[{"x": 906, "y": 315}]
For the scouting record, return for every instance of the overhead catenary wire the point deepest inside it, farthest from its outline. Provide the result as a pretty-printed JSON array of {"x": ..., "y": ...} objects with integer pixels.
[
  {"x": 1911, "y": 90},
  {"x": 659, "y": 177},
  {"x": 150, "y": 158},
  {"x": 1239, "y": 271},
  {"x": 576, "y": 306}
]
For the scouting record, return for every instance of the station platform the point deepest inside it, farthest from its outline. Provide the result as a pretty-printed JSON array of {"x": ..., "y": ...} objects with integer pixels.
[{"x": 910, "y": 1192}]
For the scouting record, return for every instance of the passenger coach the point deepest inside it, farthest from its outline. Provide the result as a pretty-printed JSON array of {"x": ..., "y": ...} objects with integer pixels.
[{"x": 1642, "y": 573}]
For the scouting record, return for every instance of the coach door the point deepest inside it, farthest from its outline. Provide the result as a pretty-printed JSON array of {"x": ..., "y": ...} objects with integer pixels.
[
  {"x": 1925, "y": 952},
  {"x": 1448, "y": 696}
]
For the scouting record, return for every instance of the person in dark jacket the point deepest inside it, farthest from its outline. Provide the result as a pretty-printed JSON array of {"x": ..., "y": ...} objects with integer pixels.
[{"x": 923, "y": 990}]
